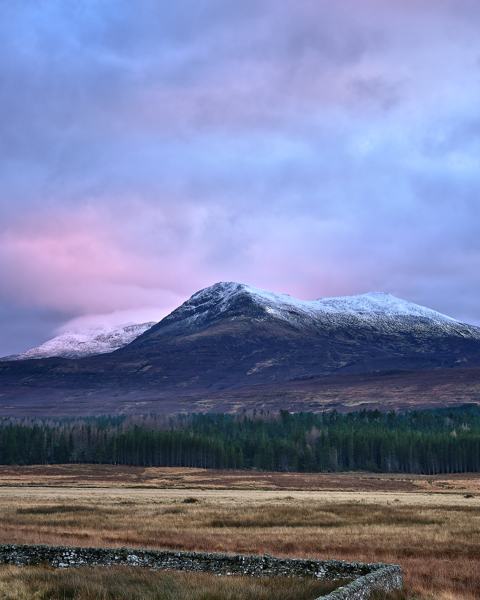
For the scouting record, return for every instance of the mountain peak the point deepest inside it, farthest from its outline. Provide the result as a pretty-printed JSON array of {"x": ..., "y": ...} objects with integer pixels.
[
  {"x": 235, "y": 336},
  {"x": 371, "y": 302},
  {"x": 231, "y": 300}
]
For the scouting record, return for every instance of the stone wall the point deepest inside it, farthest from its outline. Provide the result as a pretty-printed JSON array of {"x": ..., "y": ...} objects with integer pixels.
[{"x": 366, "y": 577}]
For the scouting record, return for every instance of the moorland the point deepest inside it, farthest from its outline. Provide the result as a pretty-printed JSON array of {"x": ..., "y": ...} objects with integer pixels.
[{"x": 428, "y": 524}]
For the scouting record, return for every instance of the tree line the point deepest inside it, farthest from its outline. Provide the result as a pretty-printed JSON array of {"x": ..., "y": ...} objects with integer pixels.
[{"x": 425, "y": 441}]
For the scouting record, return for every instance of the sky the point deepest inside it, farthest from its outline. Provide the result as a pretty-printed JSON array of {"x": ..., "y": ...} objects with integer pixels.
[{"x": 311, "y": 147}]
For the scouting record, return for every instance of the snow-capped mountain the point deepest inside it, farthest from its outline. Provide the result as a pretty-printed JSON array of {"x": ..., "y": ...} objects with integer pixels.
[
  {"x": 85, "y": 341},
  {"x": 232, "y": 341},
  {"x": 231, "y": 333},
  {"x": 374, "y": 311}
]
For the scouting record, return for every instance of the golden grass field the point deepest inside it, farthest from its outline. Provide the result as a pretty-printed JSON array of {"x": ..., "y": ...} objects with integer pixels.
[{"x": 429, "y": 525}]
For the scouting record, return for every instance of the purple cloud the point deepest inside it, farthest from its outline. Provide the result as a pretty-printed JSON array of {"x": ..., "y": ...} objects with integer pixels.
[{"x": 313, "y": 148}]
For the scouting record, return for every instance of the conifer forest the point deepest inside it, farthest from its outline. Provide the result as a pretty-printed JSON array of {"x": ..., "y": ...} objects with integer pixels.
[{"x": 419, "y": 441}]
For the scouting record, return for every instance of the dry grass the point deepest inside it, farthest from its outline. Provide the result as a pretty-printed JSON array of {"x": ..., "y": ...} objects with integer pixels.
[
  {"x": 182, "y": 478},
  {"x": 434, "y": 536},
  {"x": 129, "y": 583}
]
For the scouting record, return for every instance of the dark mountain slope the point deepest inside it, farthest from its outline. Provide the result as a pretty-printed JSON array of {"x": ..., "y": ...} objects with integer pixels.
[
  {"x": 232, "y": 334},
  {"x": 232, "y": 337}
]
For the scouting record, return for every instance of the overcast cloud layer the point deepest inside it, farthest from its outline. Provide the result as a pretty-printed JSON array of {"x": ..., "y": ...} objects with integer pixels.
[{"x": 310, "y": 147}]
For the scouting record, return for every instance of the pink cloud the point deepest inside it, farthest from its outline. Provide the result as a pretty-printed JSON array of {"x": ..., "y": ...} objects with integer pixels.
[{"x": 74, "y": 261}]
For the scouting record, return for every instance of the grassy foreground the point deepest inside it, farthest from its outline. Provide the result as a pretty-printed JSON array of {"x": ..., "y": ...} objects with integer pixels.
[
  {"x": 434, "y": 535},
  {"x": 129, "y": 583}
]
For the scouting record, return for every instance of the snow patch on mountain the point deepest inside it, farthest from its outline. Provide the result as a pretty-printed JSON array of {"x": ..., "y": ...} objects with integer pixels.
[
  {"x": 86, "y": 341},
  {"x": 372, "y": 304}
]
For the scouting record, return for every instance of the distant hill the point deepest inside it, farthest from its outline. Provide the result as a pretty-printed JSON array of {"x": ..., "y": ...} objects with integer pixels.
[
  {"x": 232, "y": 344},
  {"x": 85, "y": 341}
]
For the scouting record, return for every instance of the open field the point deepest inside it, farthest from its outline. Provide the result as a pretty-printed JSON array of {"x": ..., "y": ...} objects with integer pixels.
[
  {"x": 117, "y": 476},
  {"x": 431, "y": 526}
]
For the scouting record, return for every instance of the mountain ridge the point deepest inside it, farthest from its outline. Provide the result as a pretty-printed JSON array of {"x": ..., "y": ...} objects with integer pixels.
[
  {"x": 232, "y": 341},
  {"x": 208, "y": 304}
]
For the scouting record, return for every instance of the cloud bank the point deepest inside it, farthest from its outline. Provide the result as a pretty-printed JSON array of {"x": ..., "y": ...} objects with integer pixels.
[{"x": 308, "y": 147}]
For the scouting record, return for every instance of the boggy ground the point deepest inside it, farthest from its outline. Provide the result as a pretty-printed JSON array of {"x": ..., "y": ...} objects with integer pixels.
[{"x": 429, "y": 525}]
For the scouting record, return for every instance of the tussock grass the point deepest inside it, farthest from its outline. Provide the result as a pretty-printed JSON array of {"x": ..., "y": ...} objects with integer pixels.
[
  {"x": 50, "y": 510},
  {"x": 127, "y": 583},
  {"x": 294, "y": 516},
  {"x": 435, "y": 537}
]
